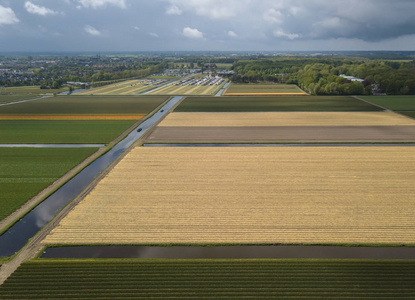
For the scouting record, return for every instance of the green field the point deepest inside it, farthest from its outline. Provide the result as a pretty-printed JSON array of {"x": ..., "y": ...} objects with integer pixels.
[
  {"x": 30, "y": 90},
  {"x": 85, "y": 105},
  {"x": 278, "y": 103},
  {"x": 253, "y": 88},
  {"x": 24, "y": 172},
  {"x": 15, "y": 98},
  {"x": 398, "y": 103},
  {"x": 410, "y": 114},
  {"x": 61, "y": 132},
  {"x": 197, "y": 279}
]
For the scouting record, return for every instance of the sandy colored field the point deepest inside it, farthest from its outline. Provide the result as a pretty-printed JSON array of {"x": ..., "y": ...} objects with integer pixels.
[
  {"x": 282, "y": 134},
  {"x": 263, "y": 90},
  {"x": 288, "y": 119},
  {"x": 250, "y": 195},
  {"x": 264, "y": 94}
]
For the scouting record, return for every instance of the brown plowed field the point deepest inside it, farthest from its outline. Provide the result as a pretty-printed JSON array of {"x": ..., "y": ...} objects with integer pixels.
[
  {"x": 250, "y": 195},
  {"x": 266, "y": 134},
  {"x": 288, "y": 119}
]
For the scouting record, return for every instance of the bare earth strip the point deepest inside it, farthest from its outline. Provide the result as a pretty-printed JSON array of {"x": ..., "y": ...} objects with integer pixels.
[
  {"x": 250, "y": 195},
  {"x": 288, "y": 119},
  {"x": 282, "y": 134}
]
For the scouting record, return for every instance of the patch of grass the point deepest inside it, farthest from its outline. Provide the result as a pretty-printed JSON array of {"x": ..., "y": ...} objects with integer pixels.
[
  {"x": 289, "y": 103},
  {"x": 215, "y": 278},
  {"x": 61, "y": 132},
  {"x": 85, "y": 105},
  {"x": 24, "y": 172},
  {"x": 15, "y": 98},
  {"x": 410, "y": 114},
  {"x": 398, "y": 103},
  {"x": 30, "y": 90}
]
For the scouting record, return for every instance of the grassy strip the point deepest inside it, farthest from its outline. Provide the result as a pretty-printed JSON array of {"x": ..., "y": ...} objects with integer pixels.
[
  {"x": 409, "y": 114},
  {"x": 399, "y": 103},
  {"x": 15, "y": 98},
  {"x": 260, "y": 104},
  {"x": 24, "y": 172},
  {"x": 60, "y": 132},
  {"x": 30, "y": 90},
  {"x": 373, "y": 279}
]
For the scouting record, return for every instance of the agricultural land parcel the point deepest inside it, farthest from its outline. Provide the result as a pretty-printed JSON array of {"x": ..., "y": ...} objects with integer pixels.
[
  {"x": 277, "y": 279},
  {"x": 15, "y": 98},
  {"x": 278, "y": 103},
  {"x": 263, "y": 90},
  {"x": 36, "y": 90},
  {"x": 396, "y": 103},
  {"x": 156, "y": 87},
  {"x": 283, "y": 127},
  {"x": 316, "y": 195},
  {"x": 24, "y": 172},
  {"x": 72, "y": 119},
  {"x": 129, "y": 87}
]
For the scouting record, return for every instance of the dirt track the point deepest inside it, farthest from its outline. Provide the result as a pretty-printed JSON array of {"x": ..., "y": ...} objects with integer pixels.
[{"x": 278, "y": 134}]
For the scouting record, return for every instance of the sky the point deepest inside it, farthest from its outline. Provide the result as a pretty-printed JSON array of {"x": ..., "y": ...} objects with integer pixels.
[{"x": 206, "y": 25}]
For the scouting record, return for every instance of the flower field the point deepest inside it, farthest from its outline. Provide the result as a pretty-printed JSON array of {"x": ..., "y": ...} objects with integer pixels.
[{"x": 310, "y": 195}]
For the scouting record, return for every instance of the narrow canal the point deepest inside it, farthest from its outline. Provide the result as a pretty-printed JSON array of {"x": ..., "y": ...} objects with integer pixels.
[{"x": 19, "y": 234}]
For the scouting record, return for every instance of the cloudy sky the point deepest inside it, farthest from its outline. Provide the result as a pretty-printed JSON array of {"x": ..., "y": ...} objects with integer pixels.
[{"x": 231, "y": 25}]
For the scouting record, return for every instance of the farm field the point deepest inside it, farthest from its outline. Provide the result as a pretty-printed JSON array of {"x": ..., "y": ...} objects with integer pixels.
[
  {"x": 129, "y": 87},
  {"x": 30, "y": 90},
  {"x": 81, "y": 106},
  {"x": 278, "y": 103},
  {"x": 14, "y": 98},
  {"x": 287, "y": 119},
  {"x": 131, "y": 279},
  {"x": 397, "y": 103},
  {"x": 25, "y": 172},
  {"x": 61, "y": 132},
  {"x": 282, "y": 134},
  {"x": 196, "y": 85},
  {"x": 409, "y": 114},
  {"x": 271, "y": 89},
  {"x": 249, "y": 195}
]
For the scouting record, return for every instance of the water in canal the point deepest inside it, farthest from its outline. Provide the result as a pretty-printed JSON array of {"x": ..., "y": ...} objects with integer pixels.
[{"x": 19, "y": 234}]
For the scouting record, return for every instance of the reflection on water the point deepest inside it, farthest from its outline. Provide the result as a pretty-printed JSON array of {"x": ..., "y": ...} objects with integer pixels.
[
  {"x": 18, "y": 235},
  {"x": 232, "y": 252}
]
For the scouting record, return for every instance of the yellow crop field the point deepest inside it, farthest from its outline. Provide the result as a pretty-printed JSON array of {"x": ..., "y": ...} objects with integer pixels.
[
  {"x": 250, "y": 195},
  {"x": 287, "y": 119},
  {"x": 265, "y": 94}
]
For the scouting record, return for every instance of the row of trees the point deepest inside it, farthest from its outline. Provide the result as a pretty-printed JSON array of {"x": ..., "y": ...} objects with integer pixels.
[{"x": 320, "y": 76}]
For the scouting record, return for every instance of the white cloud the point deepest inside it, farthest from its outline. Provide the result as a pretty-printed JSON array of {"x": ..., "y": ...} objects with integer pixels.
[
  {"x": 153, "y": 34},
  {"x": 38, "y": 10},
  {"x": 136, "y": 28},
  {"x": 192, "y": 33},
  {"x": 214, "y": 9},
  {"x": 281, "y": 34},
  {"x": 102, "y": 3},
  {"x": 92, "y": 31},
  {"x": 273, "y": 16},
  {"x": 232, "y": 34},
  {"x": 174, "y": 10},
  {"x": 7, "y": 16}
]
